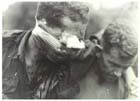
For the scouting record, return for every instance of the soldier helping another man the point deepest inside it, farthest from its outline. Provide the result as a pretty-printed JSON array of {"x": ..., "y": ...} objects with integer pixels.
[{"x": 54, "y": 61}]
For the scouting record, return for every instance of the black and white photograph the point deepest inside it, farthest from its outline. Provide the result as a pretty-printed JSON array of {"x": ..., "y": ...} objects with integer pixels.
[{"x": 70, "y": 49}]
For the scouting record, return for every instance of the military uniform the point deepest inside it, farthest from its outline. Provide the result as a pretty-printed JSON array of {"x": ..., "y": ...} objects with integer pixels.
[{"x": 50, "y": 80}]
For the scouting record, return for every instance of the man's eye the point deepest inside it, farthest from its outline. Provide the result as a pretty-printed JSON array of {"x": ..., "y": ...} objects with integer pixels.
[{"x": 75, "y": 17}]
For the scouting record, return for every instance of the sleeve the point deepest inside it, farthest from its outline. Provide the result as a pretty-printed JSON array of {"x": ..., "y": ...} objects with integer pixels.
[
  {"x": 9, "y": 66},
  {"x": 132, "y": 83},
  {"x": 10, "y": 77}
]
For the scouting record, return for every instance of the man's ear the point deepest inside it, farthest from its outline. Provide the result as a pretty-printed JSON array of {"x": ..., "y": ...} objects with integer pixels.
[{"x": 42, "y": 22}]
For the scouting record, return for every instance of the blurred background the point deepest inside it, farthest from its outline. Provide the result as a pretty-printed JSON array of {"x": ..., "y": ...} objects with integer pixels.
[{"x": 21, "y": 15}]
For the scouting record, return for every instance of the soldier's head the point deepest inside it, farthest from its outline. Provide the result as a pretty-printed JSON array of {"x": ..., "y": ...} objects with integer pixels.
[
  {"x": 119, "y": 49},
  {"x": 58, "y": 18}
]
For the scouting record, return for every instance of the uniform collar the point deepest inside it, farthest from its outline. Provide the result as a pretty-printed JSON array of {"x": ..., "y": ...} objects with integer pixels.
[{"x": 22, "y": 44}]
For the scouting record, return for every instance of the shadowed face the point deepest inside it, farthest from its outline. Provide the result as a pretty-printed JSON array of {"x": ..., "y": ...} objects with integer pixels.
[
  {"x": 75, "y": 25},
  {"x": 66, "y": 24},
  {"x": 112, "y": 65},
  {"x": 72, "y": 25}
]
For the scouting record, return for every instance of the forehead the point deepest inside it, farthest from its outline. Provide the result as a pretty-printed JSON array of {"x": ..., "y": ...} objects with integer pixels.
[{"x": 75, "y": 17}]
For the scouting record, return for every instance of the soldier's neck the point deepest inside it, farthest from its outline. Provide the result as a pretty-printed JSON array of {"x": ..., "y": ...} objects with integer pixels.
[{"x": 46, "y": 37}]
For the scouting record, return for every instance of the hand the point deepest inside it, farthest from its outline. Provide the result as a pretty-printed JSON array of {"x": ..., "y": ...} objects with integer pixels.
[{"x": 90, "y": 50}]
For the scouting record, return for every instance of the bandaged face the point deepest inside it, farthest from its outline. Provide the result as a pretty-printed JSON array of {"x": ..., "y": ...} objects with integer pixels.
[
  {"x": 71, "y": 33},
  {"x": 74, "y": 32}
]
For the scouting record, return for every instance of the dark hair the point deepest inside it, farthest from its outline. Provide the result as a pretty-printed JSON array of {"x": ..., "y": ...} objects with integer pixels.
[
  {"x": 121, "y": 33},
  {"x": 54, "y": 11}
]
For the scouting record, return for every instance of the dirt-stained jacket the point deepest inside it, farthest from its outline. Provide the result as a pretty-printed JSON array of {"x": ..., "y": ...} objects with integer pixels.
[{"x": 16, "y": 83}]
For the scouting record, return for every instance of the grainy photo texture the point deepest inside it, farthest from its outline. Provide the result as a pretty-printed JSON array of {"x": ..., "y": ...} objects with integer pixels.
[{"x": 70, "y": 50}]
